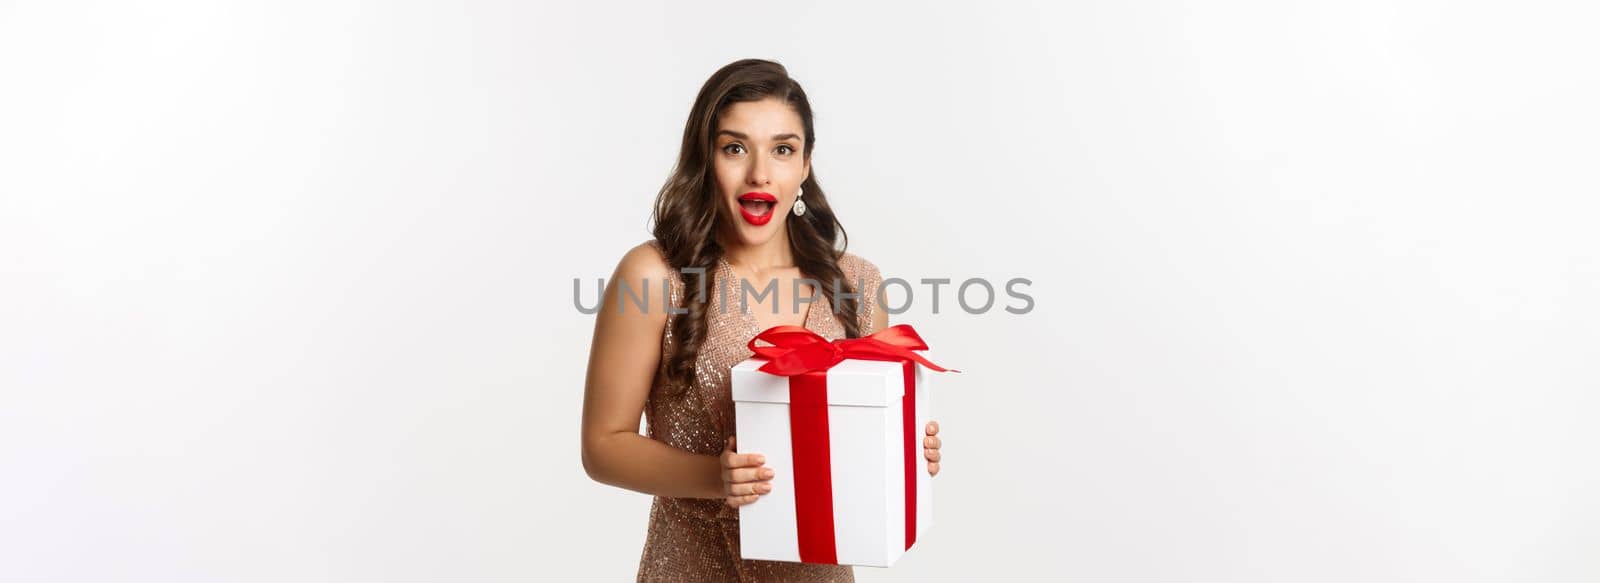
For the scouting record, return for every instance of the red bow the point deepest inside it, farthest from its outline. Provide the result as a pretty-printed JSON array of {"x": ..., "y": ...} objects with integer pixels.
[{"x": 797, "y": 350}]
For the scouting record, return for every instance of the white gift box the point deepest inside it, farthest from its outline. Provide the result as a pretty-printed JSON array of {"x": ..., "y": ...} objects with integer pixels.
[{"x": 867, "y": 460}]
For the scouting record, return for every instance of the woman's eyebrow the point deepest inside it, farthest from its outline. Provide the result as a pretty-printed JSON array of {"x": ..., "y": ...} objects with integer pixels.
[{"x": 742, "y": 136}]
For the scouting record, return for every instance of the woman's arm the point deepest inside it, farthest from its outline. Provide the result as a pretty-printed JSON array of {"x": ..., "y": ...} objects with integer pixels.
[{"x": 622, "y": 363}]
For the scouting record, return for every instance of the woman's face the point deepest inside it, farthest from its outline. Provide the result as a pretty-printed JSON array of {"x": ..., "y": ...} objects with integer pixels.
[{"x": 759, "y": 163}]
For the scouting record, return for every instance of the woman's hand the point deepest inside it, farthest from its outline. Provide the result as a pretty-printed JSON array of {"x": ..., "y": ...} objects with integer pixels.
[
  {"x": 744, "y": 479},
  {"x": 930, "y": 447}
]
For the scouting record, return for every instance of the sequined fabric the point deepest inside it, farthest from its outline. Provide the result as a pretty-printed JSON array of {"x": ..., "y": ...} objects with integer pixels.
[{"x": 695, "y": 539}]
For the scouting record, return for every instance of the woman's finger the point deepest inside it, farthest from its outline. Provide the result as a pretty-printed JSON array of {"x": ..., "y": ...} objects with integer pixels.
[
  {"x": 748, "y": 488},
  {"x": 932, "y": 428},
  {"x": 931, "y": 454},
  {"x": 931, "y": 442},
  {"x": 739, "y": 475},
  {"x": 742, "y": 460},
  {"x": 933, "y": 468}
]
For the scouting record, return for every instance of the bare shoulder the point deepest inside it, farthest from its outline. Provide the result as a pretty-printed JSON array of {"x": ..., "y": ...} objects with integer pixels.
[
  {"x": 644, "y": 261},
  {"x": 641, "y": 277}
]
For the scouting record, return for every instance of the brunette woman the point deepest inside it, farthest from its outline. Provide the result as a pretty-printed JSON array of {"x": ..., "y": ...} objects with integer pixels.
[{"x": 743, "y": 207}]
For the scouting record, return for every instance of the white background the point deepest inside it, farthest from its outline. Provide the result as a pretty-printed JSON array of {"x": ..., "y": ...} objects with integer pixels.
[{"x": 286, "y": 288}]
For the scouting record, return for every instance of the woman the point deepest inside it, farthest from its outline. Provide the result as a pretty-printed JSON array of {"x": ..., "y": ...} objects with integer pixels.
[{"x": 742, "y": 207}]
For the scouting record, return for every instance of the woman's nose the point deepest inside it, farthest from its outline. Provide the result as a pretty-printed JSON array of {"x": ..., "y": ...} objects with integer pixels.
[{"x": 757, "y": 174}]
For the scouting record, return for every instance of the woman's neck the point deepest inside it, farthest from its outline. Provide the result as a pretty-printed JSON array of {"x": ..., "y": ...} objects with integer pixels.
[{"x": 760, "y": 259}]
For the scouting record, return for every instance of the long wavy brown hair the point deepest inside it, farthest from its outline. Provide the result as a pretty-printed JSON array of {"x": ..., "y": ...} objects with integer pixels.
[{"x": 687, "y": 220}]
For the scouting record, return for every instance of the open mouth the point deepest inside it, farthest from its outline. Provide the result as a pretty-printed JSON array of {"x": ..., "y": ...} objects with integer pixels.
[{"x": 756, "y": 207}]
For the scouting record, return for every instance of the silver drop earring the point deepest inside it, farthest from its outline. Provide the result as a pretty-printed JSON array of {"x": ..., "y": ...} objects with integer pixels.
[{"x": 799, "y": 205}]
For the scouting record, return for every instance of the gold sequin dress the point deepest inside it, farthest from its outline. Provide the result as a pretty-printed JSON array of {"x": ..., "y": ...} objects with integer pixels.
[{"x": 697, "y": 539}]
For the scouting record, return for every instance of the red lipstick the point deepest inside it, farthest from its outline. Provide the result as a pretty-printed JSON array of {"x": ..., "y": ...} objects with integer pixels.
[{"x": 757, "y": 207}]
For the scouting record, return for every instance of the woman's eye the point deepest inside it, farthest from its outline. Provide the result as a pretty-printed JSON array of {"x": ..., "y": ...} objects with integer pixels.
[
  {"x": 729, "y": 148},
  {"x": 785, "y": 149}
]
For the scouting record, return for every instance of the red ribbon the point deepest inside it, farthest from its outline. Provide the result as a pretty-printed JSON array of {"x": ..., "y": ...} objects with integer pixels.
[{"x": 805, "y": 357}]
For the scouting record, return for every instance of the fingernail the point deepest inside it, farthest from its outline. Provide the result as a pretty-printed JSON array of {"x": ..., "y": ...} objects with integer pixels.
[
  {"x": 766, "y": 473},
  {"x": 761, "y": 459},
  {"x": 764, "y": 488}
]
